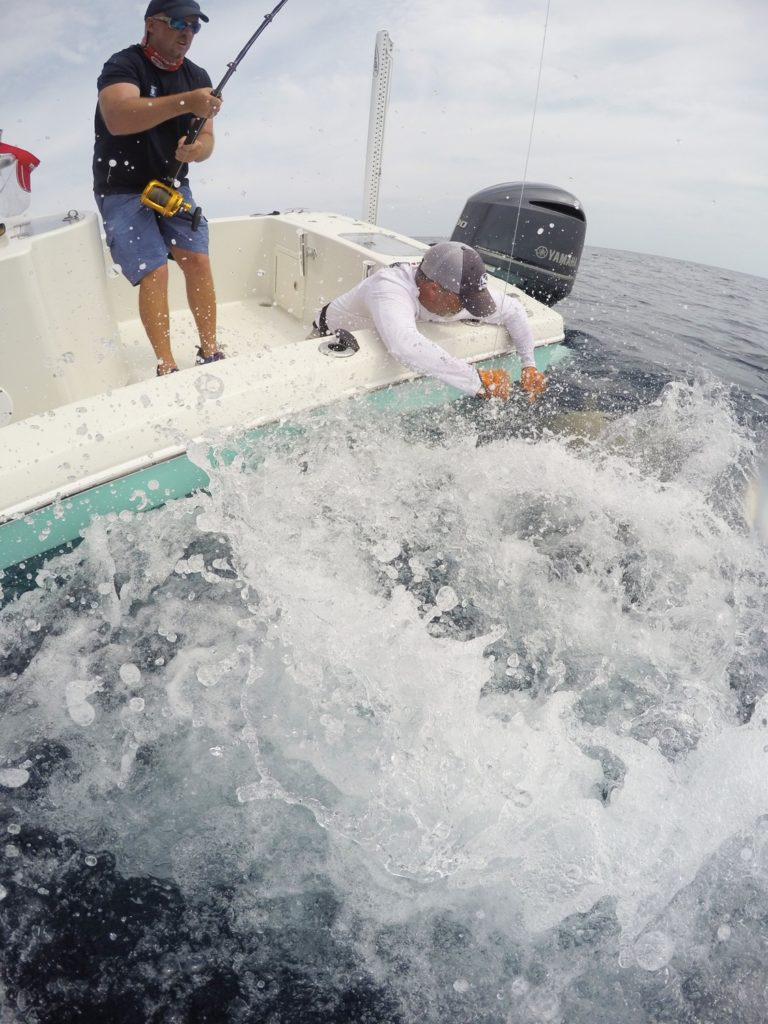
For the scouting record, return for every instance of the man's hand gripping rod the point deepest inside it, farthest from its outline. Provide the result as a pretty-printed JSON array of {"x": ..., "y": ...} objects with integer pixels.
[{"x": 161, "y": 196}]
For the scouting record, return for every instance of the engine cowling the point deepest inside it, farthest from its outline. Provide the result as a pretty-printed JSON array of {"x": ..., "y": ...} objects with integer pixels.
[{"x": 531, "y": 235}]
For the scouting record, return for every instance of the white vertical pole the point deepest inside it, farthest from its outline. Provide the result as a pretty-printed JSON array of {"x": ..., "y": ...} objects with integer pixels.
[{"x": 382, "y": 66}]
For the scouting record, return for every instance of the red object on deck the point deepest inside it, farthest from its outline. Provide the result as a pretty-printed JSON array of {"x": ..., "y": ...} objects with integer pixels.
[{"x": 25, "y": 164}]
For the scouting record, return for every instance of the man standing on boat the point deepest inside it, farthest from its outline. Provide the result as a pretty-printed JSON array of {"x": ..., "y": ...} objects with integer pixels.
[
  {"x": 149, "y": 96},
  {"x": 450, "y": 283}
]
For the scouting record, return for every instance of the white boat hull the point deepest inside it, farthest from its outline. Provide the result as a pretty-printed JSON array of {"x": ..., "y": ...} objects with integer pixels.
[{"x": 78, "y": 371}]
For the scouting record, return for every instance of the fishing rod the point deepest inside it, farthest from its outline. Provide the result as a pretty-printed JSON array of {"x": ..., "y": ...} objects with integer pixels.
[{"x": 161, "y": 196}]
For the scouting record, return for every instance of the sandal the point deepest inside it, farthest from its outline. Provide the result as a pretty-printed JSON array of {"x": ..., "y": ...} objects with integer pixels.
[{"x": 200, "y": 359}]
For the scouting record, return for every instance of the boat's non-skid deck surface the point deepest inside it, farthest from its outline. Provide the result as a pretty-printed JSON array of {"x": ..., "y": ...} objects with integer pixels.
[{"x": 243, "y": 326}]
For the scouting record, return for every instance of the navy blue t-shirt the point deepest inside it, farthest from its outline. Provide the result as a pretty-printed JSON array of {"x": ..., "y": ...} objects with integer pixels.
[{"x": 125, "y": 163}]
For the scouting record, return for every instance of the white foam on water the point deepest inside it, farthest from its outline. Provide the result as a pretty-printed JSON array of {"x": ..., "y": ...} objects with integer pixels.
[
  {"x": 488, "y": 679},
  {"x": 77, "y": 692},
  {"x": 13, "y": 778},
  {"x": 427, "y": 772}
]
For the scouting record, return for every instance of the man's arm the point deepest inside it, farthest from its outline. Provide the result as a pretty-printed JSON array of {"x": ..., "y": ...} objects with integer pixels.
[
  {"x": 198, "y": 150},
  {"x": 511, "y": 313},
  {"x": 127, "y": 112}
]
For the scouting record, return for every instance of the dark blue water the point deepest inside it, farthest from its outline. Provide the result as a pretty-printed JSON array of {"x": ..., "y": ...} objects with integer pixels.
[{"x": 459, "y": 716}]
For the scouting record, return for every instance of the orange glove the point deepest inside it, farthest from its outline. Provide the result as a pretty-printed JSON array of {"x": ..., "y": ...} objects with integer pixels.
[
  {"x": 533, "y": 382},
  {"x": 496, "y": 384}
]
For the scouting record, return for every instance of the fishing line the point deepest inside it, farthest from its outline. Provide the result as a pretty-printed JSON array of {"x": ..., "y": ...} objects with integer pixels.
[
  {"x": 525, "y": 164},
  {"x": 530, "y": 137},
  {"x": 527, "y": 154}
]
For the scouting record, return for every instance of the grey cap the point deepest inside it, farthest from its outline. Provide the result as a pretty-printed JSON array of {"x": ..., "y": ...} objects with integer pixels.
[
  {"x": 175, "y": 9},
  {"x": 460, "y": 269}
]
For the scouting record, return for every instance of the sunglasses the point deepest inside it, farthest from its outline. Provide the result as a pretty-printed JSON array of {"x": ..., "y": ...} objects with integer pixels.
[{"x": 179, "y": 24}]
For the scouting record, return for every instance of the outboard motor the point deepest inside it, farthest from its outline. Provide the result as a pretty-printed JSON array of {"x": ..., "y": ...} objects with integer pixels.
[{"x": 547, "y": 246}]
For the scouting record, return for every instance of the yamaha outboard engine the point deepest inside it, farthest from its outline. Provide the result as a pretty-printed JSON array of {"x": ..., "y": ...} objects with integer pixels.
[{"x": 528, "y": 234}]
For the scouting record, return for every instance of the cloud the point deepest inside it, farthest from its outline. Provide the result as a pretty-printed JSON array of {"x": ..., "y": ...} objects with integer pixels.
[{"x": 651, "y": 114}]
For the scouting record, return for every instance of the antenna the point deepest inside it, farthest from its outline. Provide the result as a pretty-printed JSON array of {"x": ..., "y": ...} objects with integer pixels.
[{"x": 382, "y": 67}]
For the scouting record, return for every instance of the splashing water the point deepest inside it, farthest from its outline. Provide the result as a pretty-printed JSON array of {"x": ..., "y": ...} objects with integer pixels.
[{"x": 417, "y": 719}]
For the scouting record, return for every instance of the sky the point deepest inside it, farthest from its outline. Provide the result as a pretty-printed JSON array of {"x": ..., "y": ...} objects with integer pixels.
[{"x": 652, "y": 114}]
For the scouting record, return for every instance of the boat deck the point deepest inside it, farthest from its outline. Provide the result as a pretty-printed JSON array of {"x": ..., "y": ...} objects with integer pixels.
[{"x": 236, "y": 334}]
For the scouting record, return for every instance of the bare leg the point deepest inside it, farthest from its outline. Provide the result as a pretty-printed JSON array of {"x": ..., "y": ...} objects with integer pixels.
[
  {"x": 153, "y": 310},
  {"x": 201, "y": 295}
]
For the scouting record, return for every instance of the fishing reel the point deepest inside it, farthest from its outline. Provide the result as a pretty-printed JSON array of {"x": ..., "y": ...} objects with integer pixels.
[{"x": 169, "y": 202}]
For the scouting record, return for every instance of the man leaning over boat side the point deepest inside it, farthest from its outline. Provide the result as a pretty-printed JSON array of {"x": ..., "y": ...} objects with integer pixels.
[
  {"x": 449, "y": 284},
  {"x": 149, "y": 96}
]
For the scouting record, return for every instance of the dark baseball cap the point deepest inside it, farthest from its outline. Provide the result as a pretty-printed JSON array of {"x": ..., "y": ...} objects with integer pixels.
[
  {"x": 459, "y": 269},
  {"x": 175, "y": 9}
]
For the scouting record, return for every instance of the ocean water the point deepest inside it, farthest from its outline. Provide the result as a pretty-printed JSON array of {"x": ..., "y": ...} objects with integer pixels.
[{"x": 458, "y": 716}]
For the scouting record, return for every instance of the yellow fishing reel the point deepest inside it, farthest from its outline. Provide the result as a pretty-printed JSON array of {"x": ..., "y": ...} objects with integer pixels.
[{"x": 169, "y": 202}]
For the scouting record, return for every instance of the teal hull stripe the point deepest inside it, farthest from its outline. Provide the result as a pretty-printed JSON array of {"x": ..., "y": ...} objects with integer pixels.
[{"x": 62, "y": 522}]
